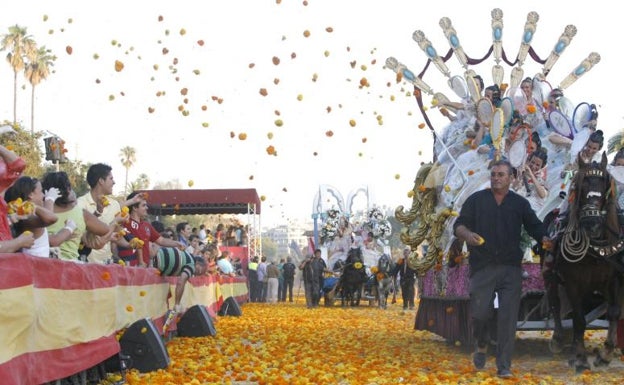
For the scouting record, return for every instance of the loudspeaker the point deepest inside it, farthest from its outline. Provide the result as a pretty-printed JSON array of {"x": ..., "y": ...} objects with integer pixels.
[
  {"x": 196, "y": 322},
  {"x": 143, "y": 344},
  {"x": 230, "y": 307}
]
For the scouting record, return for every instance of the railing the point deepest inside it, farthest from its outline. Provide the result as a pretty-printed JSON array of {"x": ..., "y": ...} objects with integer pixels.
[{"x": 59, "y": 318}]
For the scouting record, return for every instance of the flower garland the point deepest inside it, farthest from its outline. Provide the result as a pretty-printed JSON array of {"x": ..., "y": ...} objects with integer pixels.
[
  {"x": 377, "y": 224},
  {"x": 331, "y": 227}
]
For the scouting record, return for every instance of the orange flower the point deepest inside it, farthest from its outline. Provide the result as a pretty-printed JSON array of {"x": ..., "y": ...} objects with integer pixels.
[
  {"x": 531, "y": 109},
  {"x": 422, "y": 188},
  {"x": 106, "y": 276},
  {"x": 545, "y": 104}
]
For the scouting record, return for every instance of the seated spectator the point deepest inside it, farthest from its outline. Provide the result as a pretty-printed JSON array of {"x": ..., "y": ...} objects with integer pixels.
[
  {"x": 211, "y": 260},
  {"x": 193, "y": 247},
  {"x": 224, "y": 264}
]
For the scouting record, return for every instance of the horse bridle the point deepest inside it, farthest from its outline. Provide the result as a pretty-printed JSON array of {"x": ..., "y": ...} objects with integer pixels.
[{"x": 575, "y": 241}]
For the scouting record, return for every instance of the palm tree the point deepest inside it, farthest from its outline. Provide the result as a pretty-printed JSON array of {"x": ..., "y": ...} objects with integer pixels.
[
  {"x": 19, "y": 46},
  {"x": 37, "y": 70},
  {"x": 141, "y": 183},
  {"x": 128, "y": 157}
]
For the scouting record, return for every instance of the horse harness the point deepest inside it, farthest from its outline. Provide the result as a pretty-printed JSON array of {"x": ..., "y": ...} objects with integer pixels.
[{"x": 574, "y": 243}]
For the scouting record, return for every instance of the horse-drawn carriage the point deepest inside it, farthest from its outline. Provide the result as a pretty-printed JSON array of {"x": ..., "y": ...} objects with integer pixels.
[
  {"x": 589, "y": 245},
  {"x": 352, "y": 281}
]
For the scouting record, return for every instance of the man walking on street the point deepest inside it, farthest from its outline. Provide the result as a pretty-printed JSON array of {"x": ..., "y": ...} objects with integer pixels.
[{"x": 491, "y": 222}]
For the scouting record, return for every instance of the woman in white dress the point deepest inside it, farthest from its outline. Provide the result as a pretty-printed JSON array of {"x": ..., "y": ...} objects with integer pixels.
[
  {"x": 530, "y": 181},
  {"x": 339, "y": 246}
]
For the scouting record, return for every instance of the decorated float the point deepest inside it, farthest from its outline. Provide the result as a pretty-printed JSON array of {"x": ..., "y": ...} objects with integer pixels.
[
  {"x": 516, "y": 120},
  {"x": 341, "y": 227}
]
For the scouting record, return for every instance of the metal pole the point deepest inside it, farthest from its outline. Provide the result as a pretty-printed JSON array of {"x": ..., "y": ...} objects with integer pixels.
[{"x": 316, "y": 235}]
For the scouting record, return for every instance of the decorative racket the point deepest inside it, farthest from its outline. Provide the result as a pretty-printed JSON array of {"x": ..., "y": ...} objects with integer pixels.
[
  {"x": 617, "y": 172},
  {"x": 497, "y": 127},
  {"x": 582, "y": 115},
  {"x": 541, "y": 90},
  {"x": 560, "y": 123},
  {"x": 473, "y": 88},
  {"x": 507, "y": 107},
  {"x": 517, "y": 153},
  {"x": 459, "y": 86},
  {"x": 484, "y": 111}
]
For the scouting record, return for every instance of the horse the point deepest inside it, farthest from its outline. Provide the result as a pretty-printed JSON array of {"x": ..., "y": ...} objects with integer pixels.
[
  {"x": 352, "y": 278},
  {"x": 587, "y": 259},
  {"x": 384, "y": 280}
]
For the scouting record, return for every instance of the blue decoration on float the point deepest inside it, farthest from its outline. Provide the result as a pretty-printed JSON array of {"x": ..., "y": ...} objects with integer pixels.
[
  {"x": 528, "y": 35},
  {"x": 409, "y": 75},
  {"x": 454, "y": 41},
  {"x": 498, "y": 34},
  {"x": 431, "y": 52},
  {"x": 560, "y": 46},
  {"x": 580, "y": 70}
]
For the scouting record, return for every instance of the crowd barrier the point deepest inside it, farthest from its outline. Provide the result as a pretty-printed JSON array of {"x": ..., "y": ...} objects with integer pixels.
[{"x": 59, "y": 318}]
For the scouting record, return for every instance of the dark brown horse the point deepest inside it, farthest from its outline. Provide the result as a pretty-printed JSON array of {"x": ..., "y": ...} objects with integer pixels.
[
  {"x": 353, "y": 278},
  {"x": 588, "y": 260}
]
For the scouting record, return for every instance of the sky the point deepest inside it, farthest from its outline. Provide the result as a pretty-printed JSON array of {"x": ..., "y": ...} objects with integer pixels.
[{"x": 202, "y": 90}]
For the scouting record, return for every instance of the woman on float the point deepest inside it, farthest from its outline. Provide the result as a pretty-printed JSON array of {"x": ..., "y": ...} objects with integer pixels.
[
  {"x": 528, "y": 106},
  {"x": 530, "y": 181},
  {"x": 338, "y": 247}
]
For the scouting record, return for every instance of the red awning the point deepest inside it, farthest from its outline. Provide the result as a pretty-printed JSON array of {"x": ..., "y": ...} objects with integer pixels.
[{"x": 183, "y": 202}]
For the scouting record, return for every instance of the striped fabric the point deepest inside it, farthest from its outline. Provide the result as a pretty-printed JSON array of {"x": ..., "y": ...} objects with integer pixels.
[{"x": 172, "y": 262}]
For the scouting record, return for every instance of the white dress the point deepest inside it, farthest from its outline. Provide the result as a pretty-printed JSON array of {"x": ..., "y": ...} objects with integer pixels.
[{"x": 41, "y": 247}]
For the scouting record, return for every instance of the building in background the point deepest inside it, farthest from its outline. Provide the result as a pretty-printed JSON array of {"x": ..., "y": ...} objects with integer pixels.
[{"x": 286, "y": 236}]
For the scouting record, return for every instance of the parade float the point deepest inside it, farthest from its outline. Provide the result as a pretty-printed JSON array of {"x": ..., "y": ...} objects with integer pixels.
[
  {"x": 341, "y": 225},
  {"x": 524, "y": 110}
]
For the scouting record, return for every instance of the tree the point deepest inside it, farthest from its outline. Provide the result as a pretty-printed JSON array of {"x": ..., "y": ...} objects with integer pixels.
[
  {"x": 128, "y": 157},
  {"x": 19, "y": 45},
  {"x": 141, "y": 183},
  {"x": 269, "y": 248},
  {"x": 27, "y": 147},
  {"x": 37, "y": 70}
]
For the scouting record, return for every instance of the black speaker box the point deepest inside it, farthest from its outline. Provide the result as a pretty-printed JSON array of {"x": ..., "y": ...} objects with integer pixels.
[
  {"x": 142, "y": 343},
  {"x": 230, "y": 307},
  {"x": 196, "y": 322}
]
